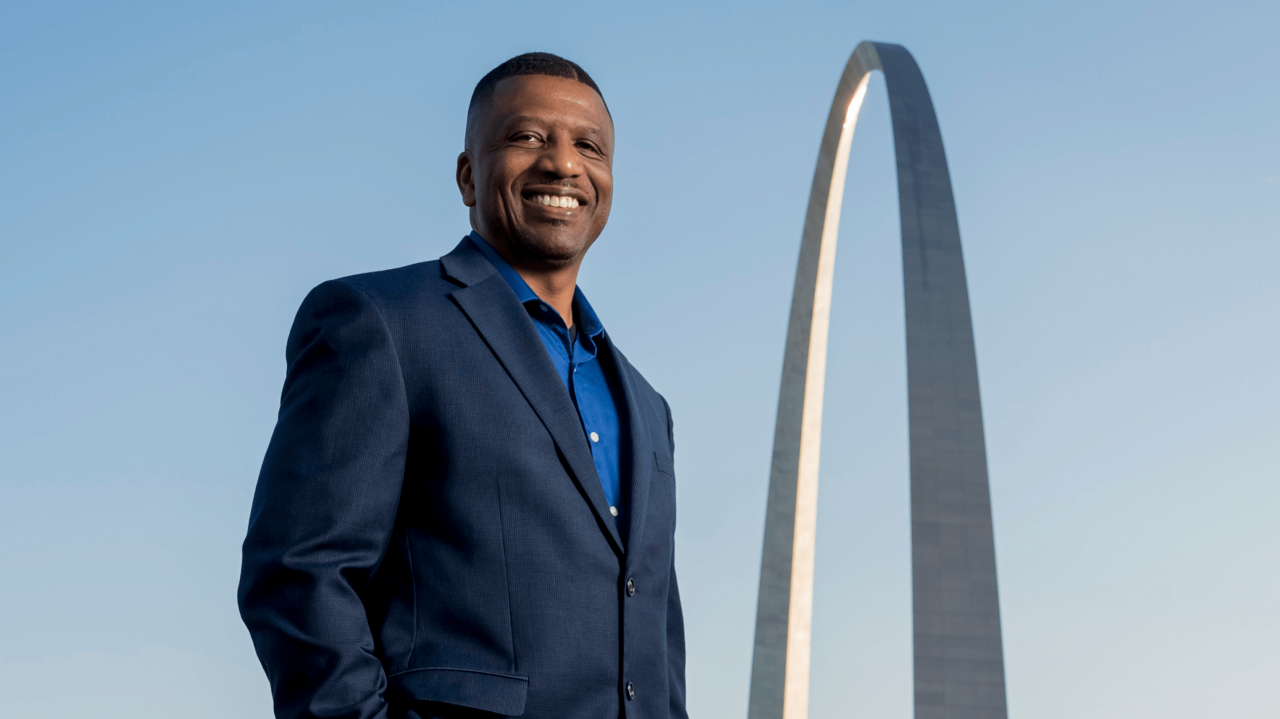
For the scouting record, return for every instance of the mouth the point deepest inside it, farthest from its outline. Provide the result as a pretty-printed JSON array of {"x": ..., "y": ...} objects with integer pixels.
[{"x": 567, "y": 199}]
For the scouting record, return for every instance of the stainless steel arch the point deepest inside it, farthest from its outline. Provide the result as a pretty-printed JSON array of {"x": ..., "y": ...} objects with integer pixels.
[{"x": 959, "y": 660}]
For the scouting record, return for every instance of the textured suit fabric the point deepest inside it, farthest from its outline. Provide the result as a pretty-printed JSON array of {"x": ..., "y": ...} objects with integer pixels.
[{"x": 429, "y": 537}]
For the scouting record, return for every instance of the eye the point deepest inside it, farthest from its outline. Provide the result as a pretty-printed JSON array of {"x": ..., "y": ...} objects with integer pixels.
[{"x": 526, "y": 137}]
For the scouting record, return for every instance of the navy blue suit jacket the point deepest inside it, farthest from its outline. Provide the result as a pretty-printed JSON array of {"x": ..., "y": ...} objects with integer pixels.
[{"x": 429, "y": 536}]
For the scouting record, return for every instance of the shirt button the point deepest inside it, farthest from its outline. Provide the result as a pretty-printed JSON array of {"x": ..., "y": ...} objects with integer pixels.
[
  {"x": 631, "y": 692},
  {"x": 545, "y": 308},
  {"x": 595, "y": 437},
  {"x": 613, "y": 511},
  {"x": 631, "y": 587}
]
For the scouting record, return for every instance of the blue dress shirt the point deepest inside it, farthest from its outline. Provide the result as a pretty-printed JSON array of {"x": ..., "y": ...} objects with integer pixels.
[{"x": 592, "y": 385}]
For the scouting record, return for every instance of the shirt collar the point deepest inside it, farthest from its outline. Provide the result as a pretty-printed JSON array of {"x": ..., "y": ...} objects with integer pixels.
[{"x": 587, "y": 318}]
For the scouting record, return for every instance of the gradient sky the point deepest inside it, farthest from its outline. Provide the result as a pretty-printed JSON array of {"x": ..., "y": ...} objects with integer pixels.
[{"x": 174, "y": 180}]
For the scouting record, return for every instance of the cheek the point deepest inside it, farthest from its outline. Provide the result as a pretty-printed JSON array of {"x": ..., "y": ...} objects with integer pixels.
[
  {"x": 497, "y": 181},
  {"x": 604, "y": 189}
]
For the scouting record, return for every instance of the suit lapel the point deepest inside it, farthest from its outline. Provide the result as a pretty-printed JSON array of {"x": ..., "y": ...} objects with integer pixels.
[
  {"x": 641, "y": 446},
  {"x": 507, "y": 328}
]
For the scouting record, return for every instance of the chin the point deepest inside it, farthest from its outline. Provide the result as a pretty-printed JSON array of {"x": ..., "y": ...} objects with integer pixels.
[{"x": 552, "y": 247}]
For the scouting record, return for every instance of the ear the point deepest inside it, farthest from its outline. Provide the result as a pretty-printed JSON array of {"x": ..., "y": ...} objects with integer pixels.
[{"x": 466, "y": 181}]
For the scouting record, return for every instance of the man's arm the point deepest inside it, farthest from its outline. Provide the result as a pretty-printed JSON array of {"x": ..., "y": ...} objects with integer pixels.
[
  {"x": 324, "y": 509},
  {"x": 675, "y": 615}
]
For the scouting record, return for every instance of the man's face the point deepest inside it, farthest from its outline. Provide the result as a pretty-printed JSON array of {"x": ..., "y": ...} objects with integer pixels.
[{"x": 537, "y": 172}]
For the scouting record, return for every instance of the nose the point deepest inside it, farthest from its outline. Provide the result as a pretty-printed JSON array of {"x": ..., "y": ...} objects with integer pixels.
[{"x": 560, "y": 158}]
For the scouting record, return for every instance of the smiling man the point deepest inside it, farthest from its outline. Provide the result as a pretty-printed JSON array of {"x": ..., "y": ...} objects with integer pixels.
[{"x": 467, "y": 508}]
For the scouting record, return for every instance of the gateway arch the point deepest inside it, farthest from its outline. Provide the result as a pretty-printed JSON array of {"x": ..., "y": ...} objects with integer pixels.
[{"x": 959, "y": 660}]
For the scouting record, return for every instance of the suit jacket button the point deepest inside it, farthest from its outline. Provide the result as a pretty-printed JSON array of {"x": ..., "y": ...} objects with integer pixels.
[
  {"x": 631, "y": 693},
  {"x": 631, "y": 587}
]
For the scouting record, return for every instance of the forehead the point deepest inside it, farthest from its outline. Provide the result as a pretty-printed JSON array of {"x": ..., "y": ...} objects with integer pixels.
[{"x": 550, "y": 99}]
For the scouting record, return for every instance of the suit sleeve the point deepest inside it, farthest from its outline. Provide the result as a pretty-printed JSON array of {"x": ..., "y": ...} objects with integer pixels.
[
  {"x": 325, "y": 508},
  {"x": 675, "y": 617}
]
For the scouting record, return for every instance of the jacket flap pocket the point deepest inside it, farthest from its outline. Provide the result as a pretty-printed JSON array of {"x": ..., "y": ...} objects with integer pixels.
[
  {"x": 497, "y": 693},
  {"x": 664, "y": 464}
]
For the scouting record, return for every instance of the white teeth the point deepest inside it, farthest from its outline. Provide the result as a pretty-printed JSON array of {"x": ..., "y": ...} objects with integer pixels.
[{"x": 556, "y": 201}]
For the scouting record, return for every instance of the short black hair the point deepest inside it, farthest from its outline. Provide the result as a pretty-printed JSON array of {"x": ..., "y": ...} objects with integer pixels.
[{"x": 532, "y": 63}]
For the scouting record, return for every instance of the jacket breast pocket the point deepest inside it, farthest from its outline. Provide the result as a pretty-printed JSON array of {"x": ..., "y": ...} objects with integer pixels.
[
  {"x": 664, "y": 464},
  {"x": 662, "y": 490}
]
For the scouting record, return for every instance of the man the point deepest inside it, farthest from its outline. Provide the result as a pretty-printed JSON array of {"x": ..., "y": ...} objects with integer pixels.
[{"x": 467, "y": 507}]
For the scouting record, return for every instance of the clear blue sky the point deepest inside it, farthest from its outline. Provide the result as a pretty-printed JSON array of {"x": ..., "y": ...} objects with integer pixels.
[{"x": 173, "y": 180}]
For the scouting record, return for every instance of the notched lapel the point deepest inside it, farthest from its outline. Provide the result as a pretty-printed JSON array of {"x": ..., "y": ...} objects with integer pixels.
[
  {"x": 641, "y": 448},
  {"x": 510, "y": 333}
]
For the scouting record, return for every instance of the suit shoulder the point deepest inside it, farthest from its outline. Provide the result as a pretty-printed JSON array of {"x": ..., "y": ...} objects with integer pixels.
[
  {"x": 395, "y": 291},
  {"x": 393, "y": 295},
  {"x": 657, "y": 407},
  {"x": 641, "y": 383},
  {"x": 410, "y": 281}
]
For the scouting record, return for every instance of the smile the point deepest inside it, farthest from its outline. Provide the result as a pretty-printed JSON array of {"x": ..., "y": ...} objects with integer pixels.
[{"x": 555, "y": 200}]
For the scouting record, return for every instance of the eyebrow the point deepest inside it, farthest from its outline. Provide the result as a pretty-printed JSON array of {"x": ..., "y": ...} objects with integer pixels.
[{"x": 591, "y": 130}]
